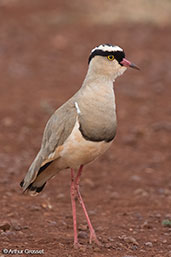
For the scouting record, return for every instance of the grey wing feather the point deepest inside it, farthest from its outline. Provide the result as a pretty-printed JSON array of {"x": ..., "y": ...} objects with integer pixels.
[{"x": 57, "y": 130}]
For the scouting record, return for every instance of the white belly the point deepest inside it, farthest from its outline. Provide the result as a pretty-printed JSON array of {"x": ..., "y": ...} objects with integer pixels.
[{"x": 77, "y": 151}]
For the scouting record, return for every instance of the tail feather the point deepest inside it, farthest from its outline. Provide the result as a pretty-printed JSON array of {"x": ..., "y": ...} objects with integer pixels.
[
  {"x": 43, "y": 175},
  {"x": 31, "y": 187},
  {"x": 32, "y": 172},
  {"x": 44, "y": 167}
]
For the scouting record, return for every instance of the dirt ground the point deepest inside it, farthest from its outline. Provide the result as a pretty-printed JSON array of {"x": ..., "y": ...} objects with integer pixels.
[{"x": 43, "y": 61}]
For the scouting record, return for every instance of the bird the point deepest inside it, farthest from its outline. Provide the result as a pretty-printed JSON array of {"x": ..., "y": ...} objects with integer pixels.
[{"x": 81, "y": 130}]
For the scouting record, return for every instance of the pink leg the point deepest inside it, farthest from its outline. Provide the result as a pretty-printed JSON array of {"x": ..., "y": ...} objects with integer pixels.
[
  {"x": 92, "y": 232},
  {"x": 72, "y": 193}
]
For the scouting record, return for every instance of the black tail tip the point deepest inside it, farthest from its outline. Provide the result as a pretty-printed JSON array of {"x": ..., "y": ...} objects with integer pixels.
[
  {"x": 35, "y": 188},
  {"x": 22, "y": 183}
]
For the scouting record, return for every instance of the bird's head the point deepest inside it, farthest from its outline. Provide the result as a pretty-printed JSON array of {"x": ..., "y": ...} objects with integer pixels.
[{"x": 109, "y": 60}]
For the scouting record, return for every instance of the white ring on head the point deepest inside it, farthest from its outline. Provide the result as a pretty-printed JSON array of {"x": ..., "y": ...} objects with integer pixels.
[{"x": 109, "y": 48}]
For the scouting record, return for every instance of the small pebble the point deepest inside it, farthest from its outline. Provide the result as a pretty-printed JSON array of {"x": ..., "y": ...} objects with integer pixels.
[
  {"x": 97, "y": 249},
  {"x": 99, "y": 228},
  {"x": 9, "y": 233},
  {"x": 82, "y": 248},
  {"x": 141, "y": 192},
  {"x": 82, "y": 227},
  {"x": 7, "y": 122},
  {"x": 161, "y": 125},
  {"x": 149, "y": 244},
  {"x": 158, "y": 215},
  {"x": 111, "y": 239},
  {"x": 46, "y": 205},
  {"x": 108, "y": 245},
  {"x": 146, "y": 225},
  {"x": 168, "y": 216},
  {"x": 35, "y": 208},
  {"x": 52, "y": 223},
  {"x": 105, "y": 240},
  {"x": 129, "y": 239},
  {"x": 60, "y": 196},
  {"x": 164, "y": 241},
  {"x": 114, "y": 195},
  {"x": 135, "y": 178},
  {"x": 61, "y": 245},
  {"x": 148, "y": 170},
  {"x": 6, "y": 226},
  {"x": 142, "y": 251},
  {"x": 92, "y": 212},
  {"x": 134, "y": 247},
  {"x": 82, "y": 234},
  {"x": 16, "y": 227}
]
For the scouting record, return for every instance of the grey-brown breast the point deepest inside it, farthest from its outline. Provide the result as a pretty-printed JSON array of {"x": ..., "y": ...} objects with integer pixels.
[
  {"x": 98, "y": 129},
  {"x": 97, "y": 119}
]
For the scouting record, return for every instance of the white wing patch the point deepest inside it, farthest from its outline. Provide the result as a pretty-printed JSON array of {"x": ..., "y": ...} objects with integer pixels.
[{"x": 77, "y": 108}]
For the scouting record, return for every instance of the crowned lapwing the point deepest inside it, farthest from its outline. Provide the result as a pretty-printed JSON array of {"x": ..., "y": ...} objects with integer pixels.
[{"x": 82, "y": 129}]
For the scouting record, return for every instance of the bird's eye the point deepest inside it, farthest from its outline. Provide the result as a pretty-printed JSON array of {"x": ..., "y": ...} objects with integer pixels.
[{"x": 110, "y": 57}]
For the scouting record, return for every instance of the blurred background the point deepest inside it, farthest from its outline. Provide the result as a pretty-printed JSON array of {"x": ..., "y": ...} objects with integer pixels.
[{"x": 44, "y": 50}]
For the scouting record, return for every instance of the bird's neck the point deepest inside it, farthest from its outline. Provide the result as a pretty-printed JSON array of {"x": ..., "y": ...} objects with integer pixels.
[
  {"x": 98, "y": 82},
  {"x": 98, "y": 90}
]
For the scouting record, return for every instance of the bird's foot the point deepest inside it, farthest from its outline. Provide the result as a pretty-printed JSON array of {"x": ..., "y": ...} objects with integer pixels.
[
  {"x": 93, "y": 238},
  {"x": 76, "y": 245}
]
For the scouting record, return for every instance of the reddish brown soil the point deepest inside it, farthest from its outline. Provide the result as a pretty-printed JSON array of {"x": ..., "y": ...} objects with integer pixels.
[{"x": 128, "y": 190}]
